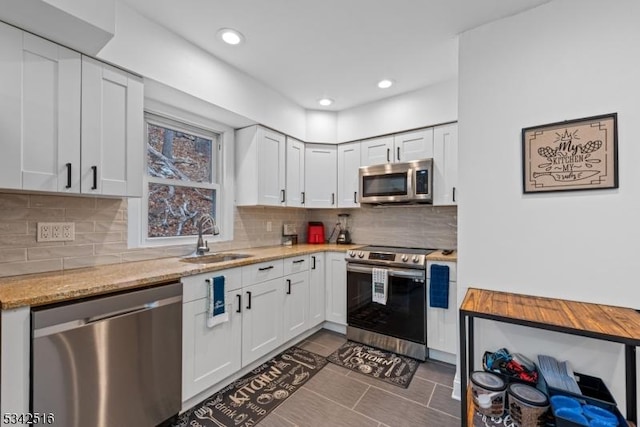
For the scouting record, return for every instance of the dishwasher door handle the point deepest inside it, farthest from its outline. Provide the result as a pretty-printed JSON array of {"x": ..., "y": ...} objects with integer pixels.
[
  {"x": 133, "y": 310},
  {"x": 78, "y": 323}
]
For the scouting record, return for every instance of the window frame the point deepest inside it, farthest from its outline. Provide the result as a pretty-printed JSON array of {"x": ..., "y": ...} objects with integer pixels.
[{"x": 177, "y": 119}]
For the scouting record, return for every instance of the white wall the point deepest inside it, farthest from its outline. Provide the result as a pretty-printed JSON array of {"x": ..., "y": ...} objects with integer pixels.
[
  {"x": 429, "y": 106},
  {"x": 564, "y": 60},
  {"x": 148, "y": 49},
  {"x": 322, "y": 126}
]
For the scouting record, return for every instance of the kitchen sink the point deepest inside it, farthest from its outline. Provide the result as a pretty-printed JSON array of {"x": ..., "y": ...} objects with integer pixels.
[{"x": 213, "y": 258}]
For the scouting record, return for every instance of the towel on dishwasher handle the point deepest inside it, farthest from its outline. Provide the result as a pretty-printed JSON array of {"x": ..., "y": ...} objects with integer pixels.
[
  {"x": 216, "y": 304},
  {"x": 439, "y": 286},
  {"x": 379, "y": 284}
]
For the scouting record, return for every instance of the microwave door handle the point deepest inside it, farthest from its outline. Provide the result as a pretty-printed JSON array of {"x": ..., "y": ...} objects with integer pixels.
[{"x": 411, "y": 183}]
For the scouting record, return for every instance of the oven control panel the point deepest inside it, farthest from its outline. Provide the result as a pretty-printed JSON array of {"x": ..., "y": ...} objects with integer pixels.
[{"x": 415, "y": 258}]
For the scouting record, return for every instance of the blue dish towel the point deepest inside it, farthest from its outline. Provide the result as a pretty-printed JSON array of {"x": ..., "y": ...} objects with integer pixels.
[
  {"x": 216, "y": 312},
  {"x": 439, "y": 286}
]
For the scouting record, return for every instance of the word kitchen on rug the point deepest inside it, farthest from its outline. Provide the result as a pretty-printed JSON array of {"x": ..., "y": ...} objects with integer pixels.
[{"x": 249, "y": 399}]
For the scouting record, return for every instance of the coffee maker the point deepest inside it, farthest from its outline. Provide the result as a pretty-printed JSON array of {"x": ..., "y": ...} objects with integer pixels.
[{"x": 344, "y": 237}]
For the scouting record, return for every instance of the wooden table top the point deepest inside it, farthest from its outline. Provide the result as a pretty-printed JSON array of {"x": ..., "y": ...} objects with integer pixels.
[{"x": 618, "y": 324}]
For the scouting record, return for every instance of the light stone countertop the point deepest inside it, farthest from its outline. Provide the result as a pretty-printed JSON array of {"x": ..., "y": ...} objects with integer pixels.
[
  {"x": 439, "y": 256},
  {"x": 60, "y": 286}
]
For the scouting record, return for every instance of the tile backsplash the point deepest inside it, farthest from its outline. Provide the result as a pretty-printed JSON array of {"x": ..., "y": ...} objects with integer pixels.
[
  {"x": 418, "y": 226},
  {"x": 101, "y": 230}
]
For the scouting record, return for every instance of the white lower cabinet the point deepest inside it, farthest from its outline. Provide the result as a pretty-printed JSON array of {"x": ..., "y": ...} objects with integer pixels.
[
  {"x": 317, "y": 289},
  {"x": 262, "y": 319},
  {"x": 442, "y": 331},
  {"x": 269, "y": 303},
  {"x": 336, "y": 288},
  {"x": 295, "y": 309},
  {"x": 205, "y": 361}
]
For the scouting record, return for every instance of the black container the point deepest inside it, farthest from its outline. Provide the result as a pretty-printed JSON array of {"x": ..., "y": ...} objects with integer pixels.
[
  {"x": 594, "y": 392},
  {"x": 591, "y": 387}
]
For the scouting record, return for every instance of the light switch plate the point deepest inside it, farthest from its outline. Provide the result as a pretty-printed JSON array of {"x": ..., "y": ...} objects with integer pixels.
[{"x": 56, "y": 232}]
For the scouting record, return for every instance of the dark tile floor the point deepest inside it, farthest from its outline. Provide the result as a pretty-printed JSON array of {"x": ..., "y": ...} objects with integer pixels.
[{"x": 338, "y": 397}]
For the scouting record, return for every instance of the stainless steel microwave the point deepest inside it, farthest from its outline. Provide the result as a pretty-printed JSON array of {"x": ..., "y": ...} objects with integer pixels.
[{"x": 408, "y": 182}]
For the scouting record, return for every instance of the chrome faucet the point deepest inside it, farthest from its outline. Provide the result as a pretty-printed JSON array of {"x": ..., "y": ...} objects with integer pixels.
[{"x": 202, "y": 246}]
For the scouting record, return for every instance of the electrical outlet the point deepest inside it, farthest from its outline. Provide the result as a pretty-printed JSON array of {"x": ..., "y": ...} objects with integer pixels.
[
  {"x": 56, "y": 232},
  {"x": 269, "y": 226}
]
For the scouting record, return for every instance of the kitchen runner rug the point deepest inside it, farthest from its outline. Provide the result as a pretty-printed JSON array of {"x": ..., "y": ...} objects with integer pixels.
[
  {"x": 372, "y": 362},
  {"x": 249, "y": 399}
]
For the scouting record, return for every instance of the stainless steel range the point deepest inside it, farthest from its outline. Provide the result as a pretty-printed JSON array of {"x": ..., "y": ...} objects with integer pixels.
[{"x": 387, "y": 298}]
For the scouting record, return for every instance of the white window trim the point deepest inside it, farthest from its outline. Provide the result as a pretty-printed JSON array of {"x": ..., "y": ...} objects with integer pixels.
[{"x": 137, "y": 208}]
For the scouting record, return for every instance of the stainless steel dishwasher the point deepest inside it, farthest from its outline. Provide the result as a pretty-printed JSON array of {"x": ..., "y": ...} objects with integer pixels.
[{"x": 109, "y": 361}]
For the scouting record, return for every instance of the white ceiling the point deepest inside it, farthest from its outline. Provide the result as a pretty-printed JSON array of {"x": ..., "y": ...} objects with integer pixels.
[{"x": 309, "y": 49}]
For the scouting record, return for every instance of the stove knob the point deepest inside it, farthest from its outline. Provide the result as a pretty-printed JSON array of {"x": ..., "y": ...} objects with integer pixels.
[
  {"x": 404, "y": 258},
  {"x": 415, "y": 259},
  {"x": 360, "y": 254},
  {"x": 352, "y": 254}
]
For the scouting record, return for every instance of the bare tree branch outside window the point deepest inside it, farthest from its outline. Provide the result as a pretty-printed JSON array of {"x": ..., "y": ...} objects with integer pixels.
[{"x": 189, "y": 159}]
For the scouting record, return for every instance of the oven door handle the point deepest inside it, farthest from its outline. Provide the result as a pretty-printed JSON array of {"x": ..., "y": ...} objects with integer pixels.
[{"x": 393, "y": 272}]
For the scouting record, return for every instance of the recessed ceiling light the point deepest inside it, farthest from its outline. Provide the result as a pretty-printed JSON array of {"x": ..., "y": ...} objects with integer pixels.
[
  {"x": 325, "y": 102},
  {"x": 230, "y": 36},
  {"x": 384, "y": 84}
]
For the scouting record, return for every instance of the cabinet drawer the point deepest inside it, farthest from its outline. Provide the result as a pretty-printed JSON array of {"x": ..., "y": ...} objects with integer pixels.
[
  {"x": 296, "y": 264},
  {"x": 195, "y": 287},
  {"x": 257, "y": 273},
  {"x": 452, "y": 269}
]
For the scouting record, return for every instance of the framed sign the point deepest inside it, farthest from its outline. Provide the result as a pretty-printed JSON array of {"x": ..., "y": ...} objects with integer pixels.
[{"x": 577, "y": 154}]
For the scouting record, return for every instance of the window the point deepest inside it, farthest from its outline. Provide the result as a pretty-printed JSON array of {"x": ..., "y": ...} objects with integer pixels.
[
  {"x": 188, "y": 173},
  {"x": 182, "y": 182}
]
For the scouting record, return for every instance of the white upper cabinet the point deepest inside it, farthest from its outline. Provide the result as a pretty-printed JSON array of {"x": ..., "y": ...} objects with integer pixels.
[
  {"x": 112, "y": 131},
  {"x": 294, "y": 194},
  {"x": 445, "y": 163},
  {"x": 320, "y": 176},
  {"x": 348, "y": 164},
  {"x": 414, "y": 145},
  {"x": 376, "y": 151},
  {"x": 260, "y": 167},
  {"x": 55, "y": 105},
  {"x": 401, "y": 147},
  {"x": 39, "y": 113}
]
